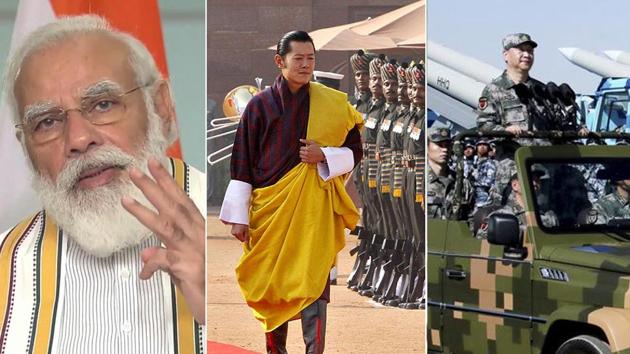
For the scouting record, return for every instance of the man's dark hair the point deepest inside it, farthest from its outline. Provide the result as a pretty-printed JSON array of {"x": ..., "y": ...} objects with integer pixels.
[{"x": 284, "y": 44}]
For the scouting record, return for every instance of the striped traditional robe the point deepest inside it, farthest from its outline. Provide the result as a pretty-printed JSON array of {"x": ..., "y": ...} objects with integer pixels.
[{"x": 32, "y": 272}]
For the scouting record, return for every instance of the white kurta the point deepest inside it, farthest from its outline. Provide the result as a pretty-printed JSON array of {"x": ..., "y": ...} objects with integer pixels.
[{"x": 101, "y": 306}]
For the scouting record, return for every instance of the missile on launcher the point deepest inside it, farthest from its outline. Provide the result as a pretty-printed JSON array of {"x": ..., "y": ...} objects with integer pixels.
[
  {"x": 619, "y": 56},
  {"x": 454, "y": 84},
  {"x": 465, "y": 64},
  {"x": 594, "y": 63}
]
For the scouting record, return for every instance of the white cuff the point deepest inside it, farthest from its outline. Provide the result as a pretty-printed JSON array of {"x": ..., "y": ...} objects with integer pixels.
[
  {"x": 339, "y": 160},
  {"x": 235, "y": 208}
]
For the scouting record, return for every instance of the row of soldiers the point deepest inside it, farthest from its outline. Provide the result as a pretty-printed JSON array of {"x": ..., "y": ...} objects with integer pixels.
[{"x": 390, "y": 256}]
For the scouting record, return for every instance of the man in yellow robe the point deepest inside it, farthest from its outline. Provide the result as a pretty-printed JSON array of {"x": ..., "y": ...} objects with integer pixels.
[{"x": 296, "y": 142}]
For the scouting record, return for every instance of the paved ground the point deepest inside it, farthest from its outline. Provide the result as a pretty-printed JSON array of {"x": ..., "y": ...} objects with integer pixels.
[{"x": 355, "y": 325}]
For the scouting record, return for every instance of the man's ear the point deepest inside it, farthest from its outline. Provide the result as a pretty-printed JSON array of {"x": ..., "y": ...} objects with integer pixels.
[
  {"x": 279, "y": 61},
  {"x": 164, "y": 106}
]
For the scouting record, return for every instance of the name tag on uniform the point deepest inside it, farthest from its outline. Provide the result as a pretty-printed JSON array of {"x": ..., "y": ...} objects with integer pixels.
[
  {"x": 371, "y": 122},
  {"x": 387, "y": 123},
  {"x": 398, "y": 127},
  {"x": 415, "y": 133}
]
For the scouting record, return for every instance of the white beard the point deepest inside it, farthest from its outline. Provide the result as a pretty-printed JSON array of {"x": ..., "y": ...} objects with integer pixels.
[{"x": 95, "y": 219}]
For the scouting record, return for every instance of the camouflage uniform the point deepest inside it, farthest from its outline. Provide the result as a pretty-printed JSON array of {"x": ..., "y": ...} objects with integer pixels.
[
  {"x": 548, "y": 218},
  {"x": 469, "y": 166},
  {"x": 439, "y": 193},
  {"x": 499, "y": 108},
  {"x": 439, "y": 197},
  {"x": 596, "y": 188},
  {"x": 611, "y": 206},
  {"x": 484, "y": 180}
]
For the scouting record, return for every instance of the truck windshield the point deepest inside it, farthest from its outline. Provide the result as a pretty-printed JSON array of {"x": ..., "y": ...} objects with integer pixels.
[
  {"x": 614, "y": 112},
  {"x": 583, "y": 194}
]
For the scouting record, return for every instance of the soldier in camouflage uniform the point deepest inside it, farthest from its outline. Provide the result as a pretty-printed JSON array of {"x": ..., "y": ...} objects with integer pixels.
[
  {"x": 470, "y": 163},
  {"x": 516, "y": 205},
  {"x": 615, "y": 205},
  {"x": 485, "y": 173},
  {"x": 500, "y": 108},
  {"x": 440, "y": 178}
]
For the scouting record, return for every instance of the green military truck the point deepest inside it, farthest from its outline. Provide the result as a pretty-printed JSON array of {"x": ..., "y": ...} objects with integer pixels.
[{"x": 541, "y": 287}]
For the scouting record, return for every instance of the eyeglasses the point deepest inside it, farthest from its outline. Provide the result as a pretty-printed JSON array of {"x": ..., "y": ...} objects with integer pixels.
[{"x": 102, "y": 108}]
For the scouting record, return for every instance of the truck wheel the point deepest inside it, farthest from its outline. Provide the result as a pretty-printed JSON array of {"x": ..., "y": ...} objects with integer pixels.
[{"x": 584, "y": 345}]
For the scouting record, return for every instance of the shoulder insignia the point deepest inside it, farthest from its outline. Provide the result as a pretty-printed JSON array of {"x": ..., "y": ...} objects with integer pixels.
[
  {"x": 591, "y": 218},
  {"x": 483, "y": 103}
]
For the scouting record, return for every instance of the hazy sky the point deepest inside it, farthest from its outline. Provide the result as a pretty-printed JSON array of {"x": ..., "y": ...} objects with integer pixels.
[{"x": 475, "y": 28}]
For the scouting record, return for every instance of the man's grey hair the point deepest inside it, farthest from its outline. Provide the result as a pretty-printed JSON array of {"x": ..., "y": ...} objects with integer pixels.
[{"x": 141, "y": 61}]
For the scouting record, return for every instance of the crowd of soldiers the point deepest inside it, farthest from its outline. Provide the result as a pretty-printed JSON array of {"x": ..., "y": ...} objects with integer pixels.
[
  {"x": 389, "y": 266},
  {"x": 489, "y": 183}
]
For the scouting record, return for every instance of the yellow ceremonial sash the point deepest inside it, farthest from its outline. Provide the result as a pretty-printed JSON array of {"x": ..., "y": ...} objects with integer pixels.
[
  {"x": 47, "y": 256},
  {"x": 297, "y": 225}
]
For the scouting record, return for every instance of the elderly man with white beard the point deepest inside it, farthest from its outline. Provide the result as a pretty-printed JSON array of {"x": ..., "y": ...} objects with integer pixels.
[{"x": 114, "y": 263}]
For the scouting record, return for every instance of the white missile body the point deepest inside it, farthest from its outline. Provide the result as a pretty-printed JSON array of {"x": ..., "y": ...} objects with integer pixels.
[
  {"x": 467, "y": 65},
  {"x": 594, "y": 63},
  {"x": 455, "y": 84},
  {"x": 619, "y": 56}
]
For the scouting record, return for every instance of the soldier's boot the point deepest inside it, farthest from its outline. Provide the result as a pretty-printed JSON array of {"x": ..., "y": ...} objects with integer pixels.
[
  {"x": 410, "y": 300},
  {"x": 415, "y": 300},
  {"x": 359, "y": 264},
  {"x": 365, "y": 288},
  {"x": 385, "y": 271},
  {"x": 277, "y": 339},
  {"x": 392, "y": 267},
  {"x": 314, "y": 327}
]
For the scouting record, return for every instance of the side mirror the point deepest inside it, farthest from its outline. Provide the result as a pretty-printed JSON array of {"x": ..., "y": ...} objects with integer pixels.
[{"x": 503, "y": 229}]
